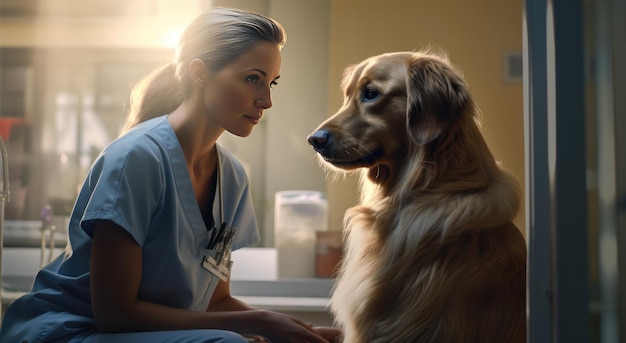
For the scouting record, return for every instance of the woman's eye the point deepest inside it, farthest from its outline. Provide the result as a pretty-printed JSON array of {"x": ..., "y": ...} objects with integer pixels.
[
  {"x": 370, "y": 94},
  {"x": 273, "y": 83},
  {"x": 252, "y": 79}
]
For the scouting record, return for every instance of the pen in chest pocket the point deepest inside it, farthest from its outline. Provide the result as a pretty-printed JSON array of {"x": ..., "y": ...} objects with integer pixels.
[
  {"x": 216, "y": 235},
  {"x": 222, "y": 237}
]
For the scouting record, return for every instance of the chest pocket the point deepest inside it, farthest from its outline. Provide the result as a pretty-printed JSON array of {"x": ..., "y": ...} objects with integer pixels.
[
  {"x": 209, "y": 280},
  {"x": 213, "y": 280}
]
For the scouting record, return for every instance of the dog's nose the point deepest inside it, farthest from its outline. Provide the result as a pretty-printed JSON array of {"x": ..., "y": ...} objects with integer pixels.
[{"x": 318, "y": 139}]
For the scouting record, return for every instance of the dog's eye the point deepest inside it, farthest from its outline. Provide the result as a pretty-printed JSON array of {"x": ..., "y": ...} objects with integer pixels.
[{"x": 370, "y": 94}]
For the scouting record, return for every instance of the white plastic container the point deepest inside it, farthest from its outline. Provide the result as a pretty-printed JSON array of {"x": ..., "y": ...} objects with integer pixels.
[{"x": 297, "y": 216}]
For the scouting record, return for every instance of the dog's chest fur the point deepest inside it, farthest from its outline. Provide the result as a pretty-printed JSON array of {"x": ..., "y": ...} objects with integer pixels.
[{"x": 369, "y": 257}]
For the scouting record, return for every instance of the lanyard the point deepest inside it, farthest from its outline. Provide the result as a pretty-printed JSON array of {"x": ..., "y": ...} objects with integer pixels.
[
  {"x": 222, "y": 237},
  {"x": 218, "y": 170}
]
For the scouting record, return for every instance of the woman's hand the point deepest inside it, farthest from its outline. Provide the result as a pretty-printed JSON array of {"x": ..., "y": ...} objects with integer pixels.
[
  {"x": 332, "y": 335},
  {"x": 278, "y": 327},
  {"x": 253, "y": 338}
]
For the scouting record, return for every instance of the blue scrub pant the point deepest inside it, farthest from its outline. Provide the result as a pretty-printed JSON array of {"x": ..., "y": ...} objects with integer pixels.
[{"x": 176, "y": 336}]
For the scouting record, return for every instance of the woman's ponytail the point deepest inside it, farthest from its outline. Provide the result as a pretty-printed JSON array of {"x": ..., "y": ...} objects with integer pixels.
[{"x": 158, "y": 93}]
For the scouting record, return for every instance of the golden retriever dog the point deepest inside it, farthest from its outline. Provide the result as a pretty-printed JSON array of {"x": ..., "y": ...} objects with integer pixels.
[{"x": 431, "y": 252}]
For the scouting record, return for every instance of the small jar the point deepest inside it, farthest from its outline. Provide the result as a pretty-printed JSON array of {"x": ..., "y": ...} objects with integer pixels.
[{"x": 328, "y": 252}]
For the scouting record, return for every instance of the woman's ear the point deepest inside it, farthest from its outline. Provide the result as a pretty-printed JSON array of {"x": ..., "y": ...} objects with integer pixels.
[{"x": 198, "y": 72}]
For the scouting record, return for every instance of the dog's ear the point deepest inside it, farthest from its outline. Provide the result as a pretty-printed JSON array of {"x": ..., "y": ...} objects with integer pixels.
[
  {"x": 436, "y": 96},
  {"x": 347, "y": 79}
]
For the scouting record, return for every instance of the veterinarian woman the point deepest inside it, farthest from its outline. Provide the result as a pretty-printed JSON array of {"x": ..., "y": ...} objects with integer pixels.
[{"x": 154, "y": 223}]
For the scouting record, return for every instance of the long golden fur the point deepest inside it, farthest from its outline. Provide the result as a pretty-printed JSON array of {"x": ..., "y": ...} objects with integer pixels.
[{"x": 432, "y": 254}]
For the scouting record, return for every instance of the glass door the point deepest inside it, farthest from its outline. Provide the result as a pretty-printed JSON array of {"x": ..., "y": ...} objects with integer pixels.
[
  {"x": 575, "y": 110},
  {"x": 605, "y": 38}
]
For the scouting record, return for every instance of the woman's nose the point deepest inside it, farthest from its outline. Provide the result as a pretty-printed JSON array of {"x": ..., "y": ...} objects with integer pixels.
[{"x": 265, "y": 101}]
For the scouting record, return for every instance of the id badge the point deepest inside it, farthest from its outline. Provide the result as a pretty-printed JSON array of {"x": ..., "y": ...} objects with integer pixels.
[{"x": 220, "y": 266}]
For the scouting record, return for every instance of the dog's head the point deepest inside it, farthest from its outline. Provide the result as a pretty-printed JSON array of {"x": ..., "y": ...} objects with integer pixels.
[{"x": 393, "y": 104}]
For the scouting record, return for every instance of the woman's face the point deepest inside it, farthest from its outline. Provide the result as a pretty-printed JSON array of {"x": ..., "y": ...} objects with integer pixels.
[{"x": 236, "y": 95}]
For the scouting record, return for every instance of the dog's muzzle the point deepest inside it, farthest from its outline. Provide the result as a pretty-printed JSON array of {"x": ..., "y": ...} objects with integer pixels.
[{"x": 323, "y": 142}]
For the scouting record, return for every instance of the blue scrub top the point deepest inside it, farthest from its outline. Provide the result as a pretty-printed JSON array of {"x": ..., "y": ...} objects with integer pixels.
[{"x": 140, "y": 182}]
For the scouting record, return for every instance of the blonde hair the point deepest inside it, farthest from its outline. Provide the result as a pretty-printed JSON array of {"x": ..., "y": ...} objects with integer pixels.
[{"x": 217, "y": 37}]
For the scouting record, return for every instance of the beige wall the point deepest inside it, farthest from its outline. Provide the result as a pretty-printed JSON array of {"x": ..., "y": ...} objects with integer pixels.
[{"x": 475, "y": 34}]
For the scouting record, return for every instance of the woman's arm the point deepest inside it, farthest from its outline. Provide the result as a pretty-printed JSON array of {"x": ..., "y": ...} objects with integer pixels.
[
  {"x": 222, "y": 300},
  {"x": 116, "y": 268},
  {"x": 116, "y": 265}
]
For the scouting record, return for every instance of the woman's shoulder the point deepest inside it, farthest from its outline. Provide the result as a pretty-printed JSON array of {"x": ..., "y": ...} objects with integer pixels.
[
  {"x": 148, "y": 144},
  {"x": 148, "y": 136}
]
